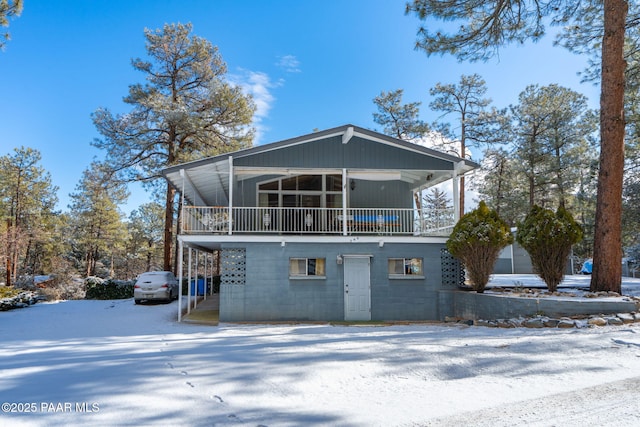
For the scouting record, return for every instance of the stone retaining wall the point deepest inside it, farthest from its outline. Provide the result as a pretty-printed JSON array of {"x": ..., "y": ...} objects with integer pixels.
[{"x": 487, "y": 306}]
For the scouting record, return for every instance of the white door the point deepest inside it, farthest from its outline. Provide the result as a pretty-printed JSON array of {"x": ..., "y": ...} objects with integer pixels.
[{"x": 357, "y": 288}]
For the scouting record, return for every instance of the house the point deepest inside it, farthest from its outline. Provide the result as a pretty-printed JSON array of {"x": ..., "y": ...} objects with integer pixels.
[
  {"x": 324, "y": 227},
  {"x": 514, "y": 259}
]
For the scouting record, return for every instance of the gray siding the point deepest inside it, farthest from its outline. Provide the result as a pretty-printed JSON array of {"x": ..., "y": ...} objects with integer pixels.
[
  {"x": 381, "y": 194},
  {"x": 520, "y": 264},
  {"x": 521, "y": 261},
  {"x": 332, "y": 153},
  {"x": 269, "y": 294},
  {"x": 367, "y": 194}
]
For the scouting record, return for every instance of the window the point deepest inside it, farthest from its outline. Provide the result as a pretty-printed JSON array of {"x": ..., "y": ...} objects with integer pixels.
[
  {"x": 405, "y": 267},
  {"x": 306, "y": 267},
  {"x": 309, "y": 191}
]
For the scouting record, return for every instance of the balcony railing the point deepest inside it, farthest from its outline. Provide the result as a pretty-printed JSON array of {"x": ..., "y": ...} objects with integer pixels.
[{"x": 256, "y": 220}]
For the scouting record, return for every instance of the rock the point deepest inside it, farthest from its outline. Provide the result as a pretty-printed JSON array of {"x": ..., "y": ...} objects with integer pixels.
[
  {"x": 551, "y": 323},
  {"x": 502, "y": 323},
  {"x": 485, "y": 323},
  {"x": 566, "y": 323},
  {"x": 614, "y": 321},
  {"x": 536, "y": 322},
  {"x": 636, "y": 317},
  {"x": 23, "y": 299},
  {"x": 581, "y": 323},
  {"x": 626, "y": 317},
  {"x": 517, "y": 322},
  {"x": 597, "y": 321}
]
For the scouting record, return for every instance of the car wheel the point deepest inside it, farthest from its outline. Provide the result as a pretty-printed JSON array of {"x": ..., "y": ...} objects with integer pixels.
[{"x": 137, "y": 301}]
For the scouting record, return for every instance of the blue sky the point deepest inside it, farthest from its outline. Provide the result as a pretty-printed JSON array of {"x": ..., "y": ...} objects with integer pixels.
[{"x": 309, "y": 64}]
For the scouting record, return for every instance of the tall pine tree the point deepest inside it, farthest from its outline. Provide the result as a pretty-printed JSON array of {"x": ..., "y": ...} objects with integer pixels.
[
  {"x": 186, "y": 110},
  {"x": 482, "y": 27}
]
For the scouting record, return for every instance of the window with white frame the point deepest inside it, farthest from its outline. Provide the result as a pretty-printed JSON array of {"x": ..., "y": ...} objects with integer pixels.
[
  {"x": 405, "y": 267},
  {"x": 310, "y": 191},
  {"x": 307, "y": 267}
]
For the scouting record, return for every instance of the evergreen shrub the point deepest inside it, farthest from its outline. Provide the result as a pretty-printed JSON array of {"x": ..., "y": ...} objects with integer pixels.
[
  {"x": 97, "y": 288},
  {"x": 8, "y": 292},
  {"x": 548, "y": 238},
  {"x": 477, "y": 240}
]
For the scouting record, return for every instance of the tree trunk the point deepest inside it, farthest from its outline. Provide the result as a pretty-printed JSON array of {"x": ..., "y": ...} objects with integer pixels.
[
  {"x": 149, "y": 254},
  {"x": 9, "y": 278},
  {"x": 15, "y": 263},
  {"x": 607, "y": 248},
  {"x": 168, "y": 227},
  {"x": 532, "y": 190},
  {"x": 463, "y": 154},
  {"x": 499, "y": 196}
]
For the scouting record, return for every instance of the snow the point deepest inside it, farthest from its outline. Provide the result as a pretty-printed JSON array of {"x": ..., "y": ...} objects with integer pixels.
[
  {"x": 109, "y": 363},
  {"x": 577, "y": 284}
]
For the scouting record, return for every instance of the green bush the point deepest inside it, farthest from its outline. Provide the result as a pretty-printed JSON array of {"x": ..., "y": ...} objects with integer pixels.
[
  {"x": 548, "y": 238},
  {"x": 477, "y": 240},
  {"x": 9, "y": 292},
  {"x": 97, "y": 288}
]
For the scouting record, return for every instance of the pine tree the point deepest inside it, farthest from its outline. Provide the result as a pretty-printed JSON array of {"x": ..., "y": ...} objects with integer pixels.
[
  {"x": 477, "y": 124},
  {"x": 96, "y": 220},
  {"x": 482, "y": 27},
  {"x": 27, "y": 201},
  {"x": 186, "y": 110},
  {"x": 8, "y": 9},
  {"x": 399, "y": 120}
]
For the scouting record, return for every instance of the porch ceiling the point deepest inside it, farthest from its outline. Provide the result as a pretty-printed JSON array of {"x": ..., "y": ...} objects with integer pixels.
[{"x": 208, "y": 184}]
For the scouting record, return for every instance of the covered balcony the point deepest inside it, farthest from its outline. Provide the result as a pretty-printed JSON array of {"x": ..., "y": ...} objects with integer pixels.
[
  {"x": 327, "y": 221},
  {"x": 340, "y": 182}
]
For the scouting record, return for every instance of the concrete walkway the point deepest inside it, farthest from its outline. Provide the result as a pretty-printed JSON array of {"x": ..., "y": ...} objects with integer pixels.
[{"x": 207, "y": 311}]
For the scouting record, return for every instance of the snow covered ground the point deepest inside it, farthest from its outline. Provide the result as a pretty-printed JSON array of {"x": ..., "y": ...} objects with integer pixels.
[{"x": 110, "y": 363}]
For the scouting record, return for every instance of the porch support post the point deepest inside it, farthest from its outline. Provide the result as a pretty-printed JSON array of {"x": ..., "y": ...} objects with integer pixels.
[
  {"x": 196, "y": 278},
  {"x": 189, "y": 284},
  {"x": 211, "y": 281},
  {"x": 204, "y": 274},
  {"x": 230, "y": 216},
  {"x": 456, "y": 194},
  {"x": 423, "y": 224},
  {"x": 344, "y": 201},
  {"x": 180, "y": 263},
  {"x": 183, "y": 175}
]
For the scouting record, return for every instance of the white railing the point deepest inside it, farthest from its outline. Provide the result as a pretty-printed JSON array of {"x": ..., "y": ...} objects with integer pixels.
[{"x": 317, "y": 221}]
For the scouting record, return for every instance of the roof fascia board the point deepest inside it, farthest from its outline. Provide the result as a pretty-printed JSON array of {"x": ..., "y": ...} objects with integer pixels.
[{"x": 384, "y": 139}]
